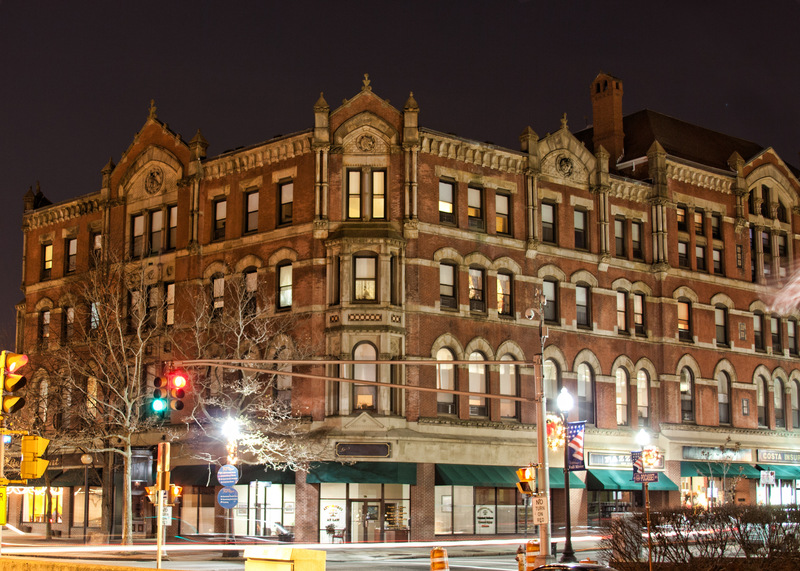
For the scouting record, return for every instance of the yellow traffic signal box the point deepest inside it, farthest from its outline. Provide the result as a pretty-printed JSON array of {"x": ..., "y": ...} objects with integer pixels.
[{"x": 33, "y": 465}]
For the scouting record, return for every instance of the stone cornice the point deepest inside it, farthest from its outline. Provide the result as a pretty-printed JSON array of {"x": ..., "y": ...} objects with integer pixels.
[
  {"x": 62, "y": 212},
  {"x": 259, "y": 156},
  {"x": 628, "y": 189},
  {"x": 700, "y": 177},
  {"x": 473, "y": 153}
]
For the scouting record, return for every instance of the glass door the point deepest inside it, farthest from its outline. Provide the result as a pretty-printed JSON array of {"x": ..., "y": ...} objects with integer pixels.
[{"x": 365, "y": 521}]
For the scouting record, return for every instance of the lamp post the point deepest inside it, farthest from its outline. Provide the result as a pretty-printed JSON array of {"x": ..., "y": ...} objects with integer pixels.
[
  {"x": 643, "y": 440},
  {"x": 86, "y": 460},
  {"x": 232, "y": 430},
  {"x": 565, "y": 403}
]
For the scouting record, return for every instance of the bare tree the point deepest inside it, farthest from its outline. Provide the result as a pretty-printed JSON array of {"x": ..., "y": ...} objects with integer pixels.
[
  {"x": 100, "y": 370},
  {"x": 236, "y": 321}
]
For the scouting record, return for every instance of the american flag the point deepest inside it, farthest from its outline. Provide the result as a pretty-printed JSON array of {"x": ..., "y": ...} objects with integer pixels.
[
  {"x": 786, "y": 299},
  {"x": 575, "y": 432},
  {"x": 638, "y": 465}
]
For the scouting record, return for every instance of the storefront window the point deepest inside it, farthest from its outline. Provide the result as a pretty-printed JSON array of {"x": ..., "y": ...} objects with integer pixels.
[
  {"x": 197, "y": 511},
  {"x": 364, "y": 512},
  {"x": 95, "y": 507},
  {"x": 34, "y": 505},
  {"x": 463, "y": 510},
  {"x": 265, "y": 509}
]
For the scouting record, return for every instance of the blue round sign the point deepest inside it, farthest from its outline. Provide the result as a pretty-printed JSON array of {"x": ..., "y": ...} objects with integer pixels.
[
  {"x": 228, "y": 475},
  {"x": 228, "y": 498}
]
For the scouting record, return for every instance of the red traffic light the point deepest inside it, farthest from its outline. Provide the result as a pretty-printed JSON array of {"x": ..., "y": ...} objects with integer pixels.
[{"x": 179, "y": 378}]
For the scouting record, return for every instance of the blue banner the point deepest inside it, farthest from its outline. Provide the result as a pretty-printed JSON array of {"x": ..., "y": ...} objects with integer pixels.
[{"x": 575, "y": 433}]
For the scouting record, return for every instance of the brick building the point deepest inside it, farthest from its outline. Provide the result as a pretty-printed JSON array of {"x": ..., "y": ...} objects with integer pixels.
[{"x": 655, "y": 243}]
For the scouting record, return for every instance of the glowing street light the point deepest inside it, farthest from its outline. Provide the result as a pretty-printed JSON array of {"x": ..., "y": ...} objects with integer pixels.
[{"x": 565, "y": 403}]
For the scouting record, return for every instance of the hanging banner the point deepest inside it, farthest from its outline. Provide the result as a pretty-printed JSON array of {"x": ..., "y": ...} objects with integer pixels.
[
  {"x": 636, "y": 458},
  {"x": 575, "y": 432}
]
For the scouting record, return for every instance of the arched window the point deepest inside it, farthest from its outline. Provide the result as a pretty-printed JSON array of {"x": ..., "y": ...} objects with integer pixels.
[
  {"x": 795, "y": 404},
  {"x": 585, "y": 393},
  {"x": 477, "y": 384},
  {"x": 724, "y": 397},
  {"x": 217, "y": 294},
  {"x": 780, "y": 418},
  {"x": 643, "y": 397},
  {"x": 622, "y": 397},
  {"x": 508, "y": 386},
  {"x": 284, "y": 293},
  {"x": 761, "y": 399},
  {"x": 551, "y": 384},
  {"x": 687, "y": 395},
  {"x": 365, "y": 397},
  {"x": 445, "y": 379}
]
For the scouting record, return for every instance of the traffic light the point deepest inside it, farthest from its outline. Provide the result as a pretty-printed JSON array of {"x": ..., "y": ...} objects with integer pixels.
[
  {"x": 174, "y": 494},
  {"x": 527, "y": 480},
  {"x": 178, "y": 381},
  {"x": 11, "y": 381},
  {"x": 159, "y": 402},
  {"x": 33, "y": 465}
]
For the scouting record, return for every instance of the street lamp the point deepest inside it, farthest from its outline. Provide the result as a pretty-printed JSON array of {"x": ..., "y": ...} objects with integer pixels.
[
  {"x": 565, "y": 403},
  {"x": 232, "y": 431},
  {"x": 643, "y": 440},
  {"x": 86, "y": 460}
]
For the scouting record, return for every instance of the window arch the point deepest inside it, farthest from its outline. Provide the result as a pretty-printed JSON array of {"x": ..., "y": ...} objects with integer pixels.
[
  {"x": 780, "y": 418},
  {"x": 508, "y": 386},
  {"x": 687, "y": 395},
  {"x": 477, "y": 384},
  {"x": 551, "y": 383},
  {"x": 585, "y": 393},
  {"x": 365, "y": 397},
  {"x": 724, "y": 397},
  {"x": 622, "y": 397},
  {"x": 445, "y": 379},
  {"x": 761, "y": 399},
  {"x": 643, "y": 398}
]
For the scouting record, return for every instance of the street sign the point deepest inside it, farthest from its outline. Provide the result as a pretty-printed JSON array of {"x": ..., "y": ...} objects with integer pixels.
[
  {"x": 648, "y": 477},
  {"x": 228, "y": 475},
  {"x": 228, "y": 498},
  {"x": 768, "y": 477},
  {"x": 539, "y": 505},
  {"x": 166, "y": 515}
]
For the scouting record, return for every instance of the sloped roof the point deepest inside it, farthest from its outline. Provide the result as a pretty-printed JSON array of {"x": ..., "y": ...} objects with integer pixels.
[{"x": 679, "y": 138}]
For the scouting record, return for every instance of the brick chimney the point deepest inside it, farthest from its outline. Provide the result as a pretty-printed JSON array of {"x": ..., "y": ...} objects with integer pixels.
[{"x": 607, "y": 115}]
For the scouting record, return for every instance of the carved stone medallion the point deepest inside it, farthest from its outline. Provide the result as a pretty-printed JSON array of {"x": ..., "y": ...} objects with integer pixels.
[
  {"x": 154, "y": 179},
  {"x": 366, "y": 143},
  {"x": 564, "y": 165}
]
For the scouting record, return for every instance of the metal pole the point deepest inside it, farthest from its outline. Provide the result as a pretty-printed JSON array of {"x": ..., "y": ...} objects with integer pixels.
[
  {"x": 159, "y": 525},
  {"x": 649, "y": 537},
  {"x": 85, "y": 500},
  {"x": 544, "y": 469},
  {"x": 569, "y": 553}
]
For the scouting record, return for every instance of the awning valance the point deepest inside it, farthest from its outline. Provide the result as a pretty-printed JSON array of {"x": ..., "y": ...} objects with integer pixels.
[
  {"x": 693, "y": 469},
  {"x": 623, "y": 480},
  {"x": 470, "y": 475},
  {"x": 363, "y": 473},
  {"x": 782, "y": 471},
  {"x": 557, "y": 480}
]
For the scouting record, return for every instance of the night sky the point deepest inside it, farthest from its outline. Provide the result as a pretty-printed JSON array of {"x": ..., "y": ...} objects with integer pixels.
[{"x": 78, "y": 76}]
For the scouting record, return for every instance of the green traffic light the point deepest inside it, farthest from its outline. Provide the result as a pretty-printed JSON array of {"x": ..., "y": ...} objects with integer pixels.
[{"x": 159, "y": 405}]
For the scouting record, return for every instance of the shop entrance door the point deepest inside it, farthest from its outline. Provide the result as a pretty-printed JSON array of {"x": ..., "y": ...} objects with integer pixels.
[{"x": 365, "y": 520}]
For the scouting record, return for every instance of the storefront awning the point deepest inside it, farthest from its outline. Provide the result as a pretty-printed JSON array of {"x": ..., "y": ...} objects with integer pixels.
[
  {"x": 782, "y": 471},
  {"x": 623, "y": 480},
  {"x": 72, "y": 478},
  {"x": 693, "y": 469},
  {"x": 557, "y": 480},
  {"x": 469, "y": 475},
  {"x": 363, "y": 473}
]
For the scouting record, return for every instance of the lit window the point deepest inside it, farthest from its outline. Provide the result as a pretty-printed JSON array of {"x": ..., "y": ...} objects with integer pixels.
[
  {"x": 137, "y": 236},
  {"x": 156, "y": 228},
  {"x": 286, "y": 198},
  {"x": 445, "y": 380},
  {"x": 508, "y": 386},
  {"x": 477, "y": 300},
  {"x": 284, "y": 286},
  {"x": 761, "y": 398},
  {"x": 622, "y": 397},
  {"x": 475, "y": 208},
  {"x": 723, "y": 397},
  {"x": 446, "y": 207},
  {"x": 698, "y": 222},
  {"x": 378, "y": 194},
  {"x": 622, "y": 312},
  {"x": 47, "y": 260},
  {"x": 366, "y": 282},
  {"x": 353, "y": 194},
  {"x": 365, "y": 397},
  {"x": 504, "y": 294},
  {"x": 687, "y": 395},
  {"x": 502, "y": 208},
  {"x": 681, "y": 215},
  {"x": 638, "y": 313},
  {"x": 643, "y": 397},
  {"x": 585, "y": 393},
  {"x": 780, "y": 418},
  {"x": 477, "y": 384},
  {"x": 447, "y": 286},
  {"x": 684, "y": 321}
]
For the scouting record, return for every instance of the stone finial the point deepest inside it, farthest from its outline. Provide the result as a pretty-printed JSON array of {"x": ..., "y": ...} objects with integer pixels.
[
  {"x": 151, "y": 114},
  {"x": 564, "y": 121},
  {"x": 109, "y": 166},
  {"x": 366, "y": 86},
  {"x": 321, "y": 104},
  {"x": 28, "y": 200},
  {"x": 198, "y": 145},
  {"x": 411, "y": 103}
]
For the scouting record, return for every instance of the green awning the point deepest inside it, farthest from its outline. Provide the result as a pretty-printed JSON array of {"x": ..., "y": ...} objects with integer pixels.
[
  {"x": 469, "y": 475},
  {"x": 693, "y": 469},
  {"x": 251, "y": 473},
  {"x": 363, "y": 473},
  {"x": 782, "y": 471},
  {"x": 623, "y": 480},
  {"x": 557, "y": 480}
]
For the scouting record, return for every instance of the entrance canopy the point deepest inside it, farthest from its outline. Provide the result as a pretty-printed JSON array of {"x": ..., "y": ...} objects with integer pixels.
[
  {"x": 557, "y": 480},
  {"x": 623, "y": 480},
  {"x": 363, "y": 473},
  {"x": 693, "y": 469}
]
